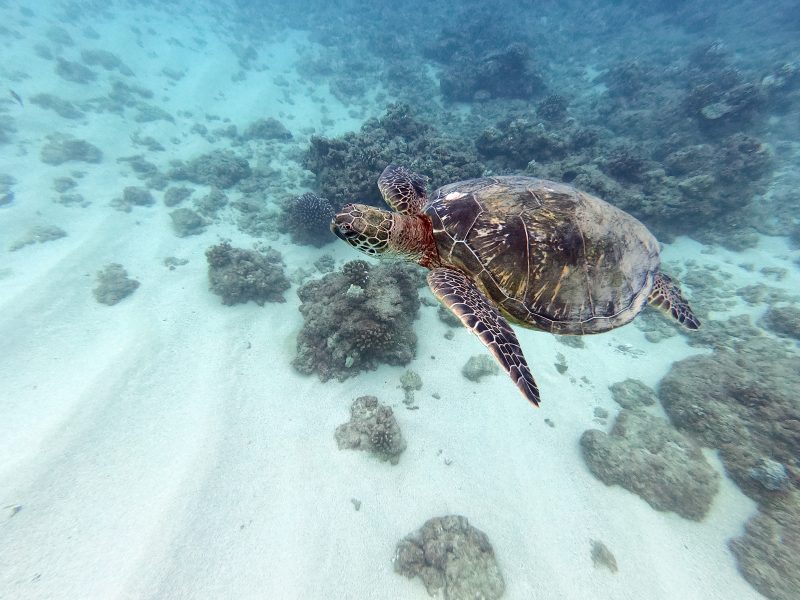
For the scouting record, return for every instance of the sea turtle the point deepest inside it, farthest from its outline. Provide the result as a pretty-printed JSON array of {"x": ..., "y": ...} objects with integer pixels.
[{"x": 538, "y": 253}]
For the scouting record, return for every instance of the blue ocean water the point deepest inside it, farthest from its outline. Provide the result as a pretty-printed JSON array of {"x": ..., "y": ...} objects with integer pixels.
[{"x": 205, "y": 394}]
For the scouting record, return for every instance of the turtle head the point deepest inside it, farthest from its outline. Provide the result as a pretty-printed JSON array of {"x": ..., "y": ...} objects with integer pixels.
[{"x": 366, "y": 228}]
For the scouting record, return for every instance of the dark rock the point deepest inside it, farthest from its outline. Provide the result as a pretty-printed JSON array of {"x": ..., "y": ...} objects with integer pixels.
[
  {"x": 60, "y": 36},
  {"x": 64, "y": 184},
  {"x": 602, "y": 556},
  {"x": 372, "y": 427},
  {"x": 137, "y": 196},
  {"x": 113, "y": 284},
  {"x": 186, "y": 222},
  {"x": 646, "y": 456},
  {"x": 105, "y": 59},
  {"x": 60, "y": 149},
  {"x": 74, "y": 72},
  {"x": 175, "y": 195},
  {"x": 452, "y": 558},
  {"x": 64, "y": 108}
]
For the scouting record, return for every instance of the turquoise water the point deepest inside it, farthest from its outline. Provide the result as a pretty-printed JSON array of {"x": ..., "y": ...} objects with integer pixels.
[{"x": 206, "y": 394}]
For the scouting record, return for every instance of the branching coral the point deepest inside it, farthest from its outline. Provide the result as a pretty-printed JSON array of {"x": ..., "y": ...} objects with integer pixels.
[{"x": 307, "y": 218}]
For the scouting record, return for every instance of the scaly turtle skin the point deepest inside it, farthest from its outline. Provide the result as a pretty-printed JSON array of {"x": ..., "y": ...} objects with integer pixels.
[{"x": 534, "y": 252}]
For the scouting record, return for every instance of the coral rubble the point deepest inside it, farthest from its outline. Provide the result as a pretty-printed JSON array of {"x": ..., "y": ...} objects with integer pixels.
[
  {"x": 372, "y": 427},
  {"x": 357, "y": 318},
  {"x": 238, "y": 275},
  {"x": 452, "y": 558}
]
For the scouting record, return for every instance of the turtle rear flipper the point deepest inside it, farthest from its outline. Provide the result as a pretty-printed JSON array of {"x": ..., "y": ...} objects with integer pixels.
[
  {"x": 402, "y": 189},
  {"x": 666, "y": 296},
  {"x": 460, "y": 294}
]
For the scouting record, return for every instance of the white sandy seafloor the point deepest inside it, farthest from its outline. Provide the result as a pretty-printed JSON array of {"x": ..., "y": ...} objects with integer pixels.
[{"x": 165, "y": 448}]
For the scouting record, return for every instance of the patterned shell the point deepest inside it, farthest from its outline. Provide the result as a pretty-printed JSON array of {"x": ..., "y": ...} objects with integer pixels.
[{"x": 549, "y": 256}]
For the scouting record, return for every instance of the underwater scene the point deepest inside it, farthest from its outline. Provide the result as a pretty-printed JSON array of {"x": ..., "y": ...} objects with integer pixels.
[{"x": 397, "y": 300}]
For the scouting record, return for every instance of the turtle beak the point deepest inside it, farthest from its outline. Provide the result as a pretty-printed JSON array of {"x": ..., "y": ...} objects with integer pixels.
[
  {"x": 335, "y": 229},
  {"x": 341, "y": 224}
]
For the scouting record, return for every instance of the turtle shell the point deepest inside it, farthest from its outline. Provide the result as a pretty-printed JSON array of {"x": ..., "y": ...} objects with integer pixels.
[{"x": 549, "y": 256}]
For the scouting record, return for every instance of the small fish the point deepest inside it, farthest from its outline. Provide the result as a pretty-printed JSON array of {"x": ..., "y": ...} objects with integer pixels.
[{"x": 16, "y": 97}]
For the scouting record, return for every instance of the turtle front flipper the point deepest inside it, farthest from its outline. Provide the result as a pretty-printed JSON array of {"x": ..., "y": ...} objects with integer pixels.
[
  {"x": 460, "y": 294},
  {"x": 402, "y": 189},
  {"x": 667, "y": 297}
]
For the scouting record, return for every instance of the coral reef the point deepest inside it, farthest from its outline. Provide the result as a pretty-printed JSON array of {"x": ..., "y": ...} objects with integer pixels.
[
  {"x": 504, "y": 73},
  {"x": 768, "y": 551},
  {"x": 518, "y": 141},
  {"x": 479, "y": 366},
  {"x": 719, "y": 97},
  {"x": 648, "y": 457},
  {"x": 238, "y": 275},
  {"x": 742, "y": 400},
  {"x": 220, "y": 168},
  {"x": 307, "y": 219},
  {"x": 113, "y": 284},
  {"x": 210, "y": 204},
  {"x": 63, "y": 148},
  {"x": 351, "y": 327},
  {"x": 452, "y": 558},
  {"x": 372, "y": 427},
  {"x": 347, "y": 168}
]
